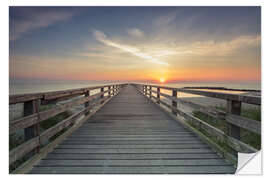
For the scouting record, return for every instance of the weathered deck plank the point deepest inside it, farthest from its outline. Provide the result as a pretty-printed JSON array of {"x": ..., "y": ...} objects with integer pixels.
[{"x": 130, "y": 135}]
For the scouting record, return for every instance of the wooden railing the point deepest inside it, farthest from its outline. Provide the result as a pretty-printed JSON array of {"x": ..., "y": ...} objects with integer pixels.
[
  {"x": 32, "y": 116},
  {"x": 232, "y": 116}
]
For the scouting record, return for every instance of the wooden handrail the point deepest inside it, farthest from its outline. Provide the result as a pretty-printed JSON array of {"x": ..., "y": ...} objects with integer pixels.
[
  {"x": 31, "y": 121},
  {"x": 231, "y": 117},
  {"x": 27, "y": 121},
  {"x": 227, "y": 96},
  {"x": 222, "y": 88},
  {"x": 20, "y": 98}
]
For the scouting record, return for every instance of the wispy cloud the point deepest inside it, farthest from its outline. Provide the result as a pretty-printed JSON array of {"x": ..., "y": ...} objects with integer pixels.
[
  {"x": 36, "y": 20},
  {"x": 135, "y": 32},
  {"x": 101, "y": 37},
  {"x": 224, "y": 48},
  {"x": 167, "y": 19}
]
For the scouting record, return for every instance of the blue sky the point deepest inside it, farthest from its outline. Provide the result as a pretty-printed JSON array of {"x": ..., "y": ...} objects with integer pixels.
[{"x": 90, "y": 43}]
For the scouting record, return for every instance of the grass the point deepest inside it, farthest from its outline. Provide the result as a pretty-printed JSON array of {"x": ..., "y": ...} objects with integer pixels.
[
  {"x": 208, "y": 120},
  {"x": 54, "y": 120},
  {"x": 246, "y": 136},
  {"x": 15, "y": 140},
  {"x": 252, "y": 113}
]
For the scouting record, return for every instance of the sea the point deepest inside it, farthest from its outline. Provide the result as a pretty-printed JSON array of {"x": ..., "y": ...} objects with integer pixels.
[{"x": 35, "y": 86}]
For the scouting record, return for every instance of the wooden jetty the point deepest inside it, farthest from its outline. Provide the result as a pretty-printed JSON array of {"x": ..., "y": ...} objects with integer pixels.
[{"x": 126, "y": 129}]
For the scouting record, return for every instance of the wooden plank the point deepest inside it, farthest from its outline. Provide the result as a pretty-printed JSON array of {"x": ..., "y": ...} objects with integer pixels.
[
  {"x": 19, "y": 98},
  {"x": 246, "y": 123},
  {"x": 139, "y": 130},
  {"x": 218, "y": 134},
  {"x": 233, "y": 107},
  {"x": 50, "y": 96},
  {"x": 174, "y": 103},
  {"x": 31, "y": 107},
  {"x": 246, "y": 99},
  {"x": 141, "y": 142},
  {"x": 89, "y": 128},
  {"x": 23, "y": 149},
  {"x": 86, "y": 104},
  {"x": 108, "y": 133},
  {"x": 158, "y": 95},
  {"x": 159, "y": 162},
  {"x": 136, "y": 170},
  {"x": 133, "y": 146},
  {"x": 59, "y": 99},
  {"x": 131, "y": 151},
  {"x": 24, "y": 98},
  {"x": 222, "y": 88},
  {"x": 85, "y": 130},
  {"x": 143, "y": 156},
  {"x": 213, "y": 112},
  {"x": 132, "y": 136}
]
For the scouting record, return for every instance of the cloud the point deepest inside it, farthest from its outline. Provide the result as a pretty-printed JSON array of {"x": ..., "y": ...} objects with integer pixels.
[
  {"x": 206, "y": 48},
  {"x": 135, "y": 32},
  {"x": 35, "y": 21},
  {"x": 101, "y": 37},
  {"x": 165, "y": 20}
]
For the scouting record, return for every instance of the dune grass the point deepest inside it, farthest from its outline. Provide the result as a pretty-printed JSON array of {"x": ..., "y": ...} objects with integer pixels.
[{"x": 246, "y": 136}]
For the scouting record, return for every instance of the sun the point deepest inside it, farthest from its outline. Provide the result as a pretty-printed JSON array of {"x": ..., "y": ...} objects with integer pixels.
[{"x": 162, "y": 80}]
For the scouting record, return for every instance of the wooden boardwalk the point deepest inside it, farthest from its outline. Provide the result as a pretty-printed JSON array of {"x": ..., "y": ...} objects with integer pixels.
[{"x": 130, "y": 134}]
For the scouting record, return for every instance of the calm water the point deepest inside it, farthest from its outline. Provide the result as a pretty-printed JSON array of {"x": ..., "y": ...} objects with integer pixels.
[{"x": 19, "y": 87}]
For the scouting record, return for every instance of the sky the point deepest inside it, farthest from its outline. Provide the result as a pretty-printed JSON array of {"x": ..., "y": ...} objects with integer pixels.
[{"x": 142, "y": 44}]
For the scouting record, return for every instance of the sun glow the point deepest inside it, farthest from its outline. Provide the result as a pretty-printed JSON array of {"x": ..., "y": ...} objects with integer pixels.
[{"x": 162, "y": 80}]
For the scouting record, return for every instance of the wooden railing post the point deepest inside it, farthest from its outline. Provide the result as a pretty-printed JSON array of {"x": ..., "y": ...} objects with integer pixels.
[
  {"x": 174, "y": 103},
  {"x": 150, "y": 92},
  {"x": 31, "y": 107},
  {"x": 102, "y": 95},
  {"x": 109, "y": 92},
  {"x": 233, "y": 107},
  {"x": 87, "y": 94},
  {"x": 158, "y": 95}
]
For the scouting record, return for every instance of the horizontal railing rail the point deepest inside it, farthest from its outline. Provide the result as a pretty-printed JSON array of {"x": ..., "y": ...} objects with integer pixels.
[
  {"x": 231, "y": 116},
  {"x": 222, "y": 88},
  {"x": 32, "y": 116},
  {"x": 54, "y": 95}
]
